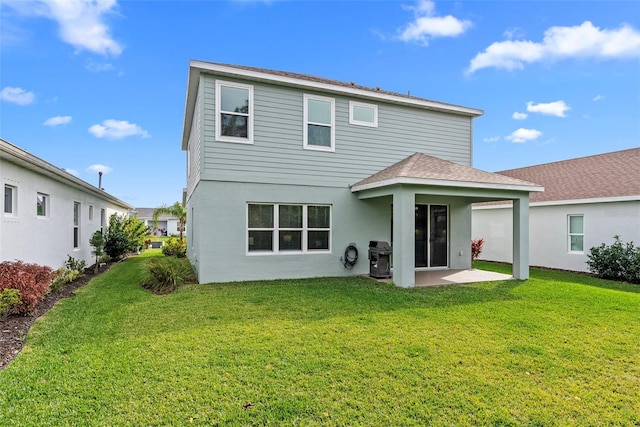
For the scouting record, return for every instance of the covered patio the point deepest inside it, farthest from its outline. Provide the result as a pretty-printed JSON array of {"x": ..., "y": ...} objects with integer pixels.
[{"x": 440, "y": 193}]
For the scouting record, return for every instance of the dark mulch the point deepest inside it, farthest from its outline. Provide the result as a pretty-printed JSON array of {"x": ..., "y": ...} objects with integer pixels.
[{"x": 14, "y": 329}]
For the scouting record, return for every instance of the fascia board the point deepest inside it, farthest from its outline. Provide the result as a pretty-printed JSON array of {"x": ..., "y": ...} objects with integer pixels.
[
  {"x": 568, "y": 202},
  {"x": 42, "y": 167},
  {"x": 446, "y": 183}
]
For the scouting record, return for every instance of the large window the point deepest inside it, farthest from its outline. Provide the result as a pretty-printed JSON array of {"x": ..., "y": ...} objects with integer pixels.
[
  {"x": 286, "y": 228},
  {"x": 76, "y": 224},
  {"x": 576, "y": 233},
  {"x": 363, "y": 114},
  {"x": 234, "y": 106},
  {"x": 10, "y": 195},
  {"x": 42, "y": 204},
  {"x": 319, "y": 131}
]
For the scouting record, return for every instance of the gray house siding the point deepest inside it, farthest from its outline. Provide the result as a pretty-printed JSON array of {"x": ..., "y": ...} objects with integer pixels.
[
  {"x": 277, "y": 154},
  {"x": 194, "y": 150}
]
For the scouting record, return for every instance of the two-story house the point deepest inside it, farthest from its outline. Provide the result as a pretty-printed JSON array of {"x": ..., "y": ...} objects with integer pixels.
[{"x": 286, "y": 172}]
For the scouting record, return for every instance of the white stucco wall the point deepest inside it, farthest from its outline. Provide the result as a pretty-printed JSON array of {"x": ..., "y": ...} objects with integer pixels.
[
  {"x": 48, "y": 240},
  {"x": 549, "y": 231}
]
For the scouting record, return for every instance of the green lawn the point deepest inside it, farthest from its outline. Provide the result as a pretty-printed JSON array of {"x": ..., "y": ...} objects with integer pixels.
[{"x": 559, "y": 349}]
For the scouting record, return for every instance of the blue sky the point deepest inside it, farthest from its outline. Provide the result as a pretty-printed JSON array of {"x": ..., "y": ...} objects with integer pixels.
[{"x": 100, "y": 85}]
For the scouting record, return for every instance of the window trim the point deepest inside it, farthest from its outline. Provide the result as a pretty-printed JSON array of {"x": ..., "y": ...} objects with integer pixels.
[
  {"x": 14, "y": 200},
  {"x": 46, "y": 205},
  {"x": 305, "y": 129},
  {"x": 570, "y": 234},
  {"x": 275, "y": 244},
  {"x": 234, "y": 139},
  {"x": 353, "y": 121}
]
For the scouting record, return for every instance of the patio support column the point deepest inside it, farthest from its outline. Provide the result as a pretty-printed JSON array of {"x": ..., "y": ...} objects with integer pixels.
[
  {"x": 521, "y": 238},
  {"x": 404, "y": 252}
]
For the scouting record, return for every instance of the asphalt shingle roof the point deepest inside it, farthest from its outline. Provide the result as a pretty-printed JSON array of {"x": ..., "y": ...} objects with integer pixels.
[
  {"x": 423, "y": 166},
  {"x": 614, "y": 174}
]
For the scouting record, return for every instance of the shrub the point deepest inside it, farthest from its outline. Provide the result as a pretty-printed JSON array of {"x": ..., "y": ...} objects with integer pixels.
[
  {"x": 31, "y": 280},
  {"x": 476, "y": 248},
  {"x": 175, "y": 247},
  {"x": 64, "y": 275},
  {"x": 8, "y": 298},
  {"x": 164, "y": 275},
  {"x": 124, "y": 234},
  {"x": 75, "y": 264},
  {"x": 620, "y": 261}
]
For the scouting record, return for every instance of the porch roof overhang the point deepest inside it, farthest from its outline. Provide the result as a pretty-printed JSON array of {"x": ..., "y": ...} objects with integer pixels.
[{"x": 433, "y": 174}]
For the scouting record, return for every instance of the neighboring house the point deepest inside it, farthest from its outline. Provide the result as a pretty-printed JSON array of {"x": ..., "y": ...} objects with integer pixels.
[
  {"x": 586, "y": 202},
  {"x": 286, "y": 171},
  {"x": 167, "y": 225},
  {"x": 48, "y": 214}
]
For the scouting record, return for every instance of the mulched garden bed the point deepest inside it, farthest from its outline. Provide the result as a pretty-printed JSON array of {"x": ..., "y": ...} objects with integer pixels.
[{"x": 14, "y": 329}]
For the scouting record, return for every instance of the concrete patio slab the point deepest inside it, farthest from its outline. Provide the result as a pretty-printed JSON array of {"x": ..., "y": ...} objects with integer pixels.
[{"x": 452, "y": 277}]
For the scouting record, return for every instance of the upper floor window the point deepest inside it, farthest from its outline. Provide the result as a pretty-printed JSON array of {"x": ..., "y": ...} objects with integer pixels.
[
  {"x": 234, "y": 106},
  {"x": 42, "y": 204},
  {"x": 363, "y": 114},
  {"x": 319, "y": 129},
  {"x": 10, "y": 195},
  {"x": 90, "y": 212},
  {"x": 576, "y": 233}
]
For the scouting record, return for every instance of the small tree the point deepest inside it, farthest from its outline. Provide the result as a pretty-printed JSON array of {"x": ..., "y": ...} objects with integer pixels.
[
  {"x": 177, "y": 210},
  {"x": 97, "y": 243},
  {"x": 124, "y": 234}
]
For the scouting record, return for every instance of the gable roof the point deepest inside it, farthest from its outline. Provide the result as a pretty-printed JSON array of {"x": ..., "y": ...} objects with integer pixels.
[
  {"x": 307, "y": 82},
  {"x": 423, "y": 169},
  {"x": 615, "y": 174},
  {"x": 24, "y": 159}
]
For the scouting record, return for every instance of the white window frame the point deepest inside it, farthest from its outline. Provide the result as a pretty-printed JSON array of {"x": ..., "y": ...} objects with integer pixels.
[
  {"x": 14, "y": 200},
  {"x": 570, "y": 234},
  {"x": 249, "y": 115},
  {"x": 275, "y": 244},
  {"x": 46, "y": 205},
  {"x": 353, "y": 121},
  {"x": 332, "y": 101},
  {"x": 77, "y": 217}
]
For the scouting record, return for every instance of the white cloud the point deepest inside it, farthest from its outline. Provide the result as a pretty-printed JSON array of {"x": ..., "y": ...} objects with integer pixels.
[
  {"x": 582, "y": 41},
  {"x": 523, "y": 135},
  {"x": 557, "y": 108},
  {"x": 72, "y": 171},
  {"x": 57, "y": 120},
  {"x": 117, "y": 129},
  {"x": 598, "y": 97},
  {"x": 81, "y": 22},
  {"x": 426, "y": 25},
  {"x": 99, "y": 168},
  {"x": 491, "y": 139},
  {"x": 519, "y": 116},
  {"x": 17, "y": 95}
]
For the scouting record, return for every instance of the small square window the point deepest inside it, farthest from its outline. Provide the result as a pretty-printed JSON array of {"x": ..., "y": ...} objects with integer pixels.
[
  {"x": 363, "y": 114},
  {"x": 42, "y": 204}
]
